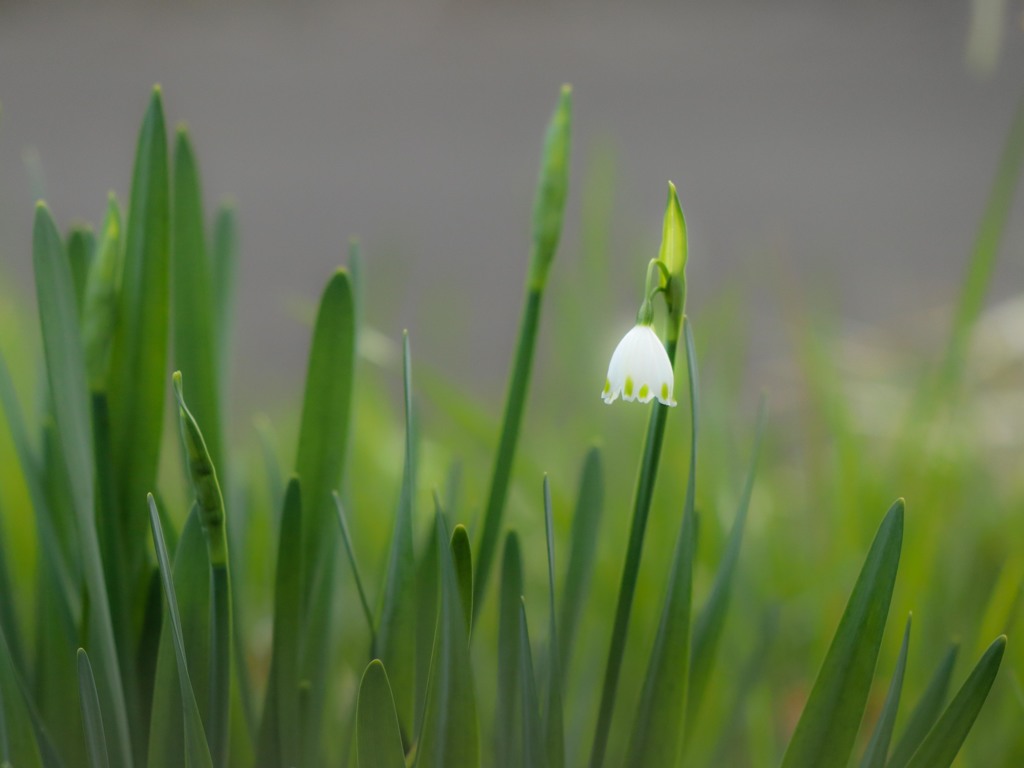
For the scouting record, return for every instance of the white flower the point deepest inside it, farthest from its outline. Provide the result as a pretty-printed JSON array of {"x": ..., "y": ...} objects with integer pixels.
[{"x": 639, "y": 369}]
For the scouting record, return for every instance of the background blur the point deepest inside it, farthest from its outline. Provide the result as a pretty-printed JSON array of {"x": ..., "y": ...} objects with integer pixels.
[{"x": 830, "y": 155}]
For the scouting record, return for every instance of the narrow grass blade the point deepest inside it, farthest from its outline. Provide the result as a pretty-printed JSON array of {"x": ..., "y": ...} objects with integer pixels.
[
  {"x": 658, "y": 727},
  {"x": 192, "y": 584},
  {"x": 586, "y": 522},
  {"x": 99, "y": 312},
  {"x": 323, "y": 441},
  {"x": 830, "y": 720},
  {"x": 18, "y": 746},
  {"x": 711, "y": 619},
  {"x": 81, "y": 247},
  {"x": 223, "y": 265},
  {"x": 535, "y": 754},
  {"x": 426, "y": 619},
  {"x": 924, "y": 715},
  {"x": 396, "y": 633},
  {"x": 346, "y": 539},
  {"x": 378, "y": 739},
  {"x": 508, "y": 712},
  {"x": 197, "y": 751},
  {"x": 463, "y": 559},
  {"x": 554, "y": 728},
  {"x": 65, "y": 366},
  {"x": 878, "y": 747},
  {"x": 548, "y": 209},
  {"x": 139, "y": 357},
  {"x": 945, "y": 739},
  {"x": 450, "y": 735},
  {"x": 278, "y": 743},
  {"x": 95, "y": 740},
  {"x": 196, "y": 348}
]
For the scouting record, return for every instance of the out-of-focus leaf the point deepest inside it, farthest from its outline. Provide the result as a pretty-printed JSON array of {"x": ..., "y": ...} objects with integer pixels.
[
  {"x": 95, "y": 741},
  {"x": 878, "y": 747},
  {"x": 197, "y": 751},
  {"x": 924, "y": 715},
  {"x": 17, "y": 740},
  {"x": 508, "y": 713},
  {"x": 535, "y": 754},
  {"x": 554, "y": 728},
  {"x": 99, "y": 311},
  {"x": 81, "y": 247},
  {"x": 426, "y": 619},
  {"x": 450, "y": 734},
  {"x": 463, "y": 559},
  {"x": 378, "y": 739},
  {"x": 943, "y": 742},
  {"x": 830, "y": 720},
  {"x": 346, "y": 538},
  {"x": 223, "y": 265},
  {"x": 396, "y": 633}
]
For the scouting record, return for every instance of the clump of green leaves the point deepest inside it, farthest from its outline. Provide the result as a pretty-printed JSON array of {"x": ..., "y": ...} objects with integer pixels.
[{"x": 136, "y": 650}]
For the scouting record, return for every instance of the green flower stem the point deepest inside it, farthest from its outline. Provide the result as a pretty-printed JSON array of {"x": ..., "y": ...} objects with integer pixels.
[
  {"x": 641, "y": 509},
  {"x": 517, "y": 391}
]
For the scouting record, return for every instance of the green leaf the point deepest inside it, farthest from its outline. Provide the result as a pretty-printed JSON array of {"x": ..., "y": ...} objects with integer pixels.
[
  {"x": 945, "y": 739},
  {"x": 196, "y": 348},
  {"x": 554, "y": 728},
  {"x": 99, "y": 312},
  {"x": 926, "y": 712},
  {"x": 278, "y": 743},
  {"x": 534, "y": 750},
  {"x": 95, "y": 740},
  {"x": 346, "y": 538},
  {"x": 508, "y": 713},
  {"x": 658, "y": 727},
  {"x": 450, "y": 736},
  {"x": 65, "y": 367},
  {"x": 81, "y": 248},
  {"x": 378, "y": 739},
  {"x": 427, "y": 588},
  {"x": 710, "y": 620},
  {"x": 549, "y": 204},
  {"x": 830, "y": 720},
  {"x": 18, "y": 746},
  {"x": 197, "y": 752},
  {"x": 192, "y": 583},
  {"x": 463, "y": 559},
  {"x": 139, "y": 357},
  {"x": 396, "y": 633},
  {"x": 223, "y": 266},
  {"x": 586, "y": 522},
  {"x": 323, "y": 440},
  {"x": 878, "y": 747}
]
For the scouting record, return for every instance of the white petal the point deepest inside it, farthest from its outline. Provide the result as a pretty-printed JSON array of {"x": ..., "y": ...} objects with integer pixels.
[{"x": 639, "y": 369}]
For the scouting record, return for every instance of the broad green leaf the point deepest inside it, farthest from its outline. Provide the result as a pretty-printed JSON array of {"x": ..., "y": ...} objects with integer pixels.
[
  {"x": 658, "y": 726},
  {"x": 346, "y": 538},
  {"x": 508, "y": 713},
  {"x": 81, "y": 247},
  {"x": 554, "y": 728},
  {"x": 323, "y": 440},
  {"x": 396, "y": 632},
  {"x": 463, "y": 559},
  {"x": 535, "y": 754},
  {"x": 65, "y": 368},
  {"x": 945, "y": 739},
  {"x": 548, "y": 208},
  {"x": 279, "y": 743},
  {"x": 924, "y": 715},
  {"x": 710, "y": 620},
  {"x": 192, "y": 583},
  {"x": 878, "y": 747},
  {"x": 450, "y": 736},
  {"x": 378, "y": 739},
  {"x": 197, "y": 752},
  {"x": 139, "y": 356},
  {"x": 830, "y": 720},
  {"x": 195, "y": 332},
  {"x": 95, "y": 740},
  {"x": 18, "y": 746},
  {"x": 586, "y": 522}
]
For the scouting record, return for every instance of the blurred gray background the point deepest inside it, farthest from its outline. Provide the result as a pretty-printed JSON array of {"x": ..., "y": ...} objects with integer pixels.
[{"x": 836, "y": 150}]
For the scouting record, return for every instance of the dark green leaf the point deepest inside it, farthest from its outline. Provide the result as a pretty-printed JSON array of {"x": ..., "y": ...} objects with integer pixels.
[
  {"x": 534, "y": 752},
  {"x": 223, "y": 265},
  {"x": 18, "y": 746},
  {"x": 878, "y": 747},
  {"x": 554, "y": 728},
  {"x": 346, "y": 539},
  {"x": 463, "y": 559},
  {"x": 924, "y": 715},
  {"x": 830, "y": 720},
  {"x": 92, "y": 717},
  {"x": 508, "y": 714},
  {"x": 81, "y": 248},
  {"x": 99, "y": 312},
  {"x": 378, "y": 739}
]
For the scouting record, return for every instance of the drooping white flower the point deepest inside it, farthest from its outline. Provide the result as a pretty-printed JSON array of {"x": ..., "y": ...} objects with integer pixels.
[{"x": 639, "y": 369}]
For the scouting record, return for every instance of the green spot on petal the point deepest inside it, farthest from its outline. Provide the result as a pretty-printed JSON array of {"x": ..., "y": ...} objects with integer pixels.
[
  {"x": 607, "y": 386},
  {"x": 628, "y": 389},
  {"x": 643, "y": 391},
  {"x": 664, "y": 391}
]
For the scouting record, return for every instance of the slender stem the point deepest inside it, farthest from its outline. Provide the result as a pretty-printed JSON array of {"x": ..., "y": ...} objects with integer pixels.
[
  {"x": 514, "y": 405},
  {"x": 220, "y": 663},
  {"x": 641, "y": 508}
]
